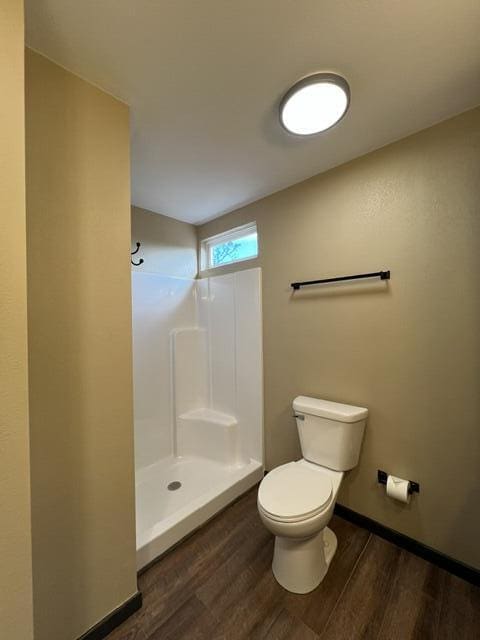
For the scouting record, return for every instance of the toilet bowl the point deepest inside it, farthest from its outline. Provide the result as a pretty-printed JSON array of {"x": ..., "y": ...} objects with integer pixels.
[{"x": 296, "y": 500}]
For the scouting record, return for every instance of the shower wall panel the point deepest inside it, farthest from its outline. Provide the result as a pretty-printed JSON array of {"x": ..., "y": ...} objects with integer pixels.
[
  {"x": 160, "y": 305},
  {"x": 230, "y": 310},
  {"x": 222, "y": 344},
  {"x": 249, "y": 359},
  {"x": 190, "y": 369}
]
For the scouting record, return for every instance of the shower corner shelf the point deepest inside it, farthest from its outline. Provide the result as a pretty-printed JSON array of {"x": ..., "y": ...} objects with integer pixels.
[{"x": 210, "y": 415}]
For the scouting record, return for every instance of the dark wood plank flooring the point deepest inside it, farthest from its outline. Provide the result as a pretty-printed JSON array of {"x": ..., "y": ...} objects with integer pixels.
[{"x": 218, "y": 585}]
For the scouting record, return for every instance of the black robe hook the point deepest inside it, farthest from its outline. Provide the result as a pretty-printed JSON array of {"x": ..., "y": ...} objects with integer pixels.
[{"x": 141, "y": 261}]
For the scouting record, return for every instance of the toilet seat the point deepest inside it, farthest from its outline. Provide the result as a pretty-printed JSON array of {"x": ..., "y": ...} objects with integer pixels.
[{"x": 293, "y": 493}]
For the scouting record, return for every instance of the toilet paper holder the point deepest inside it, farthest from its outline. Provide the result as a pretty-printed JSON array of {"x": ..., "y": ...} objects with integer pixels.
[{"x": 413, "y": 487}]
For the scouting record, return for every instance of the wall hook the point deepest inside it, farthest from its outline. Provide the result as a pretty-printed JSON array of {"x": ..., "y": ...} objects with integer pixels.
[{"x": 141, "y": 261}]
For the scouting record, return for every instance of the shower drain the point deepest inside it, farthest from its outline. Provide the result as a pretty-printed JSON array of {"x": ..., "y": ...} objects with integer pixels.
[{"x": 173, "y": 486}]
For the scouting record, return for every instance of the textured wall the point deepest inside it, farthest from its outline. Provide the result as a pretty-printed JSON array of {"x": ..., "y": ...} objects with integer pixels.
[
  {"x": 408, "y": 350},
  {"x": 79, "y": 324},
  {"x": 16, "y": 614},
  {"x": 168, "y": 246}
]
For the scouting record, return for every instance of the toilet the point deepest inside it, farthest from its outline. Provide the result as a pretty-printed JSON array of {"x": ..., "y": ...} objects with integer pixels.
[{"x": 296, "y": 500}]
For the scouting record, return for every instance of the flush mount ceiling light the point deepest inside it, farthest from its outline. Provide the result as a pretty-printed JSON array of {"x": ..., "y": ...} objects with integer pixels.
[{"x": 315, "y": 104}]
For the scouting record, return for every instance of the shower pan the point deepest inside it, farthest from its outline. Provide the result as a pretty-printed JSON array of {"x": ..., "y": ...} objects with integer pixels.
[{"x": 198, "y": 391}]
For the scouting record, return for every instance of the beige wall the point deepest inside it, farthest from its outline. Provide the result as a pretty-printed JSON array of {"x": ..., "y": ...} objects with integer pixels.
[
  {"x": 79, "y": 322},
  {"x": 408, "y": 350},
  {"x": 168, "y": 246},
  {"x": 16, "y": 613}
]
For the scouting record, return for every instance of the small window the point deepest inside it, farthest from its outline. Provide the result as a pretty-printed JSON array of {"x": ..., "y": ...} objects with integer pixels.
[{"x": 232, "y": 246}]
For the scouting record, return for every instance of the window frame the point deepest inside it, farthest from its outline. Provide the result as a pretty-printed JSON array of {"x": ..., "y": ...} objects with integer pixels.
[{"x": 207, "y": 244}]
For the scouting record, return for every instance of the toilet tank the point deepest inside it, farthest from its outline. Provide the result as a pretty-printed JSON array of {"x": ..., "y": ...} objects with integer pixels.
[{"x": 330, "y": 433}]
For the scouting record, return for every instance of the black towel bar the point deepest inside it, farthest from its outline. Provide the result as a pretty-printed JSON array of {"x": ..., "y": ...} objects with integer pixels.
[{"x": 383, "y": 275}]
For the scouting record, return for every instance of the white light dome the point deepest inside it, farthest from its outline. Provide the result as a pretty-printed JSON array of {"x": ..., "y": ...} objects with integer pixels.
[{"x": 315, "y": 104}]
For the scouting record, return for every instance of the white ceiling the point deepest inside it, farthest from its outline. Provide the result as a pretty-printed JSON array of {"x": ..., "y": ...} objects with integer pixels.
[{"x": 204, "y": 78}]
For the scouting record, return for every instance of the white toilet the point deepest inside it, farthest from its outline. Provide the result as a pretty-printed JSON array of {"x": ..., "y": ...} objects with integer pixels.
[{"x": 296, "y": 500}]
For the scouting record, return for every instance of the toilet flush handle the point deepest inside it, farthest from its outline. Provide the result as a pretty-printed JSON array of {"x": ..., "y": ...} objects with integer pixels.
[{"x": 299, "y": 416}]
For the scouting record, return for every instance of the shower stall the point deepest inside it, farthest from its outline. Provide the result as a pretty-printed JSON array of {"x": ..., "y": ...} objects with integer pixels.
[{"x": 198, "y": 392}]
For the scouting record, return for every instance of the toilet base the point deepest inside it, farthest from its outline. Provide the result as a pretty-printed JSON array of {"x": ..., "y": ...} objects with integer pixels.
[{"x": 300, "y": 565}]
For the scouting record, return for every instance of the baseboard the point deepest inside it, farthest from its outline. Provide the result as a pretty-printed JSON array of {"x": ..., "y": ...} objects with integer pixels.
[
  {"x": 427, "y": 553},
  {"x": 114, "y": 619}
]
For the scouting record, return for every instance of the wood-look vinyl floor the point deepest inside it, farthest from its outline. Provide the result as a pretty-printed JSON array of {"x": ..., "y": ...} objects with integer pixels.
[{"x": 218, "y": 585}]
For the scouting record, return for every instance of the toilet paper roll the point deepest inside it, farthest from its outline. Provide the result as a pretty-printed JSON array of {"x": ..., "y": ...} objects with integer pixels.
[{"x": 397, "y": 488}]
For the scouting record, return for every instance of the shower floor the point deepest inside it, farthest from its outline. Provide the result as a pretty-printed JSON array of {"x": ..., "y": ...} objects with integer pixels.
[{"x": 165, "y": 516}]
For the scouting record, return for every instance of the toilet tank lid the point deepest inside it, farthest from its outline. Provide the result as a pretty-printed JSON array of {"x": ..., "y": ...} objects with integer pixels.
[{"x": 332, "y": 410}]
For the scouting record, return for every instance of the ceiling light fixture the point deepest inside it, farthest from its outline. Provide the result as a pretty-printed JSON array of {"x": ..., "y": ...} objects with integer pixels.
[{"x": 315, "y": 104}]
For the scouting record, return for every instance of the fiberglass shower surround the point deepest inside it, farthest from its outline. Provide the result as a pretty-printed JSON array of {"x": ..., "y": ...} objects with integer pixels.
[{"x": 198, "y": 383}]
